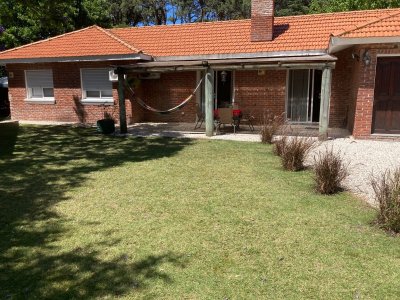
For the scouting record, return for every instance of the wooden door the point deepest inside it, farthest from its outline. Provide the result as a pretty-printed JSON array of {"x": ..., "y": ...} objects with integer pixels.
[{"x": 386, "y": 118}]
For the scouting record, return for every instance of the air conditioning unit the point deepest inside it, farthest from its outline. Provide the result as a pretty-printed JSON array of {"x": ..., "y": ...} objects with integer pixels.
[
  {"x": 112, "y": 76},
  {"x": 149, "y": 76}
]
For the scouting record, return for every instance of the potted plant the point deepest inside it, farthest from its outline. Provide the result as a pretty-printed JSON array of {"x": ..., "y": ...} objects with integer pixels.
[{"x": 106, "y": 125}]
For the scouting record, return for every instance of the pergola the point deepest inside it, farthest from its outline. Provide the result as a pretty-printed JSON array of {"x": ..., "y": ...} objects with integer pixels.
[{"x": 321, "y": 61}]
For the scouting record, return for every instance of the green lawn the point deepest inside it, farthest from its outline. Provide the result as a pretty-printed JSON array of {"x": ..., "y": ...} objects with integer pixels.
[{"x": 89, "y": 216}]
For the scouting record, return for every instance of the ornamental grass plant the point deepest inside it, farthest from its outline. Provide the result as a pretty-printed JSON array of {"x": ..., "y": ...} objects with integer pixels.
[
  {"x": 387, "y": 195},
  {"x": 330, "y": 171}
]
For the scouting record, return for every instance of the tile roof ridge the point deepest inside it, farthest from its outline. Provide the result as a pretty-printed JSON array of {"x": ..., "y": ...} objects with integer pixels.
[
  {"x": 279, "y": 18},
  {"x": 116, "y": 29},
  {"x": 116, "y": 38},
  {"x": 210, "y": 23},
  {"x": 366, "y": 23},
  {"x": 347, "y": 12},
  {"x": 46, "y": 40}
]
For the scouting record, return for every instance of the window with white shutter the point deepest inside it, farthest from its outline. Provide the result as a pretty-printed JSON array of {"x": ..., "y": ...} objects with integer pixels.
[
  {"x": 39, "y": 85},
  {"x": 96, "y": 86}
]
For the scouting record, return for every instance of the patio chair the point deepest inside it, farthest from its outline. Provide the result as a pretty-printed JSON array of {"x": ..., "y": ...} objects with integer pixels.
[
  {"x": 226, "y": 117},
  {"x": 199, "y": 116}
]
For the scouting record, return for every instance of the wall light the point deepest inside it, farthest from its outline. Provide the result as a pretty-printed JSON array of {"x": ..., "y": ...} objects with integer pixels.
[
  {"x": 355, "y": 56},
  {"x": 366, "y": 58},
  {"x": 224, "y": 74}
]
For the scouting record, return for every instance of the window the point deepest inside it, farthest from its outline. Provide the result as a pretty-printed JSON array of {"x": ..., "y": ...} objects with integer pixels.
[
  {"x": 304, "y": 96},
  {"x": 96, "y": 86},
  {"x": 223, "y": 88},
  {"x": 39, "y": 85}
]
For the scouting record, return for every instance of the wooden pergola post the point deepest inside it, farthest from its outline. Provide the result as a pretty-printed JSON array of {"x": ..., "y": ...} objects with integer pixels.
[
  {"x": 209, "y": 101},
  {"x": 121, "y": 100},
  {"x": 325, "y": 103}
]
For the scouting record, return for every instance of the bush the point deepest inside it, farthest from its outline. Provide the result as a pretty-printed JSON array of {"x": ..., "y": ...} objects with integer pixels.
[
  {"x": 293, "y": 151},
  {"x": 271, "y": 126},
  {"x": 279, "y": 145},
  {"x": 387, "y": 195},
  {"x": 330, "y": 171}
]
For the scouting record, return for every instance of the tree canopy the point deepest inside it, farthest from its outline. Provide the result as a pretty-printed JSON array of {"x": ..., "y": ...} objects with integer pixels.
[
  {"x": 348, "y": 5},
  {"x": 22, "y": 21}
]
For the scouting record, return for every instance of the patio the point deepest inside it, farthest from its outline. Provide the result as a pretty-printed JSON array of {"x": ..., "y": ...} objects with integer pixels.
[{"x": 186, "y": 130}]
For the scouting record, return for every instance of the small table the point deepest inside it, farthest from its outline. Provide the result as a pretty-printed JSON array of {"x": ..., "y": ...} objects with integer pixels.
[{"x": 236, "y": 116}]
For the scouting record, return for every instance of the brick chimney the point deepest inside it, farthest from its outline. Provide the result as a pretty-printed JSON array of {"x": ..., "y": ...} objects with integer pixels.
[{"x": 262, "y": 20}]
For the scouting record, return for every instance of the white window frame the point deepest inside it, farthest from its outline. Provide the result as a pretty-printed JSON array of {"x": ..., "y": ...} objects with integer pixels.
[
  {"x": 29, "y": 90},
  {"x": 101, "y": 100}
]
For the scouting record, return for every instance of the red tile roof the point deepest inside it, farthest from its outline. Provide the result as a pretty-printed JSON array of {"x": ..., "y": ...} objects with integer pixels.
[
  {"x": 387, "y": 25},
  {"x": 90, "y": 41},
  {"x": 296, "y": 33}
]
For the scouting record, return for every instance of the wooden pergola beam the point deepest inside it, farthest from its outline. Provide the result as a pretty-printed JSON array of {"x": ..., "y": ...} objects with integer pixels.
[
  {"x": 325, "y": 103},
  {"x": 123, "y": 127},
  {"x": 209, "y": 102}
]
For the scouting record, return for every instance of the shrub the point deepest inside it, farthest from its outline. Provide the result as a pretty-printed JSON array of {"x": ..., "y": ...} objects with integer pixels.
[
  {"x": 271, "y": 126},
  {"x": 293, "y": 151},
  {"x": 279, "y": 145},
  {"x": 330, "y": 171},
  {"x": 387, "y": 195}
]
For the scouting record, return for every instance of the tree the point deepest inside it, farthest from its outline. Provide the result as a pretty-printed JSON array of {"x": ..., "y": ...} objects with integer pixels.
[
  {"x": 292, "y": 7},
  {"x": 348, "y": 5},
  {"x": 123, "y": 12},
  {"x": 222, "y": 10},
  {"x": 154, "y": 12},
  {"x": 28, "y": 21}
]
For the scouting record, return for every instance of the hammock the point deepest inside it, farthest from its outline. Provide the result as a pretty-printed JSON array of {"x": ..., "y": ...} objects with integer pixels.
[{"x": 163, "y": 112}]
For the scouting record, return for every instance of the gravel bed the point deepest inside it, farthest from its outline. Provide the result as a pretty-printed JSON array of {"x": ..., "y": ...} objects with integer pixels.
[{"x": 365, "y": 158}]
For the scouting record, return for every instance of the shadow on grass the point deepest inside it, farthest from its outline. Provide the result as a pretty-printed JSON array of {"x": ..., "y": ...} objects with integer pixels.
[{"x": 47, "y": 162}]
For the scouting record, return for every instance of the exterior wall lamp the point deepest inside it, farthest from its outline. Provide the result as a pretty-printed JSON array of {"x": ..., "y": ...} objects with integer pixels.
[
  {"x": 355, "y": 56},
  {"x": 366, "y": 58},
  {"x": 224, "y": 74}
]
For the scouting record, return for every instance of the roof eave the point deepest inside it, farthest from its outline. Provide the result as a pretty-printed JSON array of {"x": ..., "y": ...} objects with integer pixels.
[
  {"x": 277, "y": 54},
  {"x": 138, "y": 57},
  {"x": 337, "y": 44}
]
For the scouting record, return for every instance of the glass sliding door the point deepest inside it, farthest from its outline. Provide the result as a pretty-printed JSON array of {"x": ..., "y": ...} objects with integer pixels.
[
  {"x": 303, "y": 99},
  {"x": 223, "y": 89}
]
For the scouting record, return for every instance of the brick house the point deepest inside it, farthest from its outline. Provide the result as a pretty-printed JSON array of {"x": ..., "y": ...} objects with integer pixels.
[{"x": 335, "y": 70}]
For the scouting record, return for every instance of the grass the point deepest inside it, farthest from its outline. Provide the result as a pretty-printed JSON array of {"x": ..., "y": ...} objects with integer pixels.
[{"x": 90, "y": 216}]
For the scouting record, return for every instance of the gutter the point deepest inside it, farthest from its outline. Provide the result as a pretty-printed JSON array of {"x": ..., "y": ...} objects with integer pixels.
[
  {"x": 282, "y": 54},
  {"x": 137, "y": 57},
  {"x": 337, "y": 44}
]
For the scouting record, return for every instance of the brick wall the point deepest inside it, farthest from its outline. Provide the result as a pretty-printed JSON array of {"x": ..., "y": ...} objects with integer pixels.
[
  {"x": 257, "y": 94},
  {"x": 170, "y": 90},
  {"x": 354, "y": 84},
  {"x": 167, "y": 92},
  {"x": 67, "y": 94},
  {"x": 351, "y": 102},
  {"x": 363, "y": 93},
  {"x": 340, "y": 107}
]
